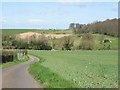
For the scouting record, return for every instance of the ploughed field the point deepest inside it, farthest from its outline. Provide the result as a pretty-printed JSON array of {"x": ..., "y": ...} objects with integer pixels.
[{"x": 84, "y": 69}]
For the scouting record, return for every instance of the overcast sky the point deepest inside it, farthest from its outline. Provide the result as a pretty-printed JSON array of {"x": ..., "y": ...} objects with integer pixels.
[{"x": 54, "y": 14}]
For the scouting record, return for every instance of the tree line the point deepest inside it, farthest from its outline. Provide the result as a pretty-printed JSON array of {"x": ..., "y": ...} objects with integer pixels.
[
  {"x": 11, "y": 42},
  {"x": 107, "y": 27},
  {"x": 39, "y": 43},
  {"x": 86, "y": 42}
]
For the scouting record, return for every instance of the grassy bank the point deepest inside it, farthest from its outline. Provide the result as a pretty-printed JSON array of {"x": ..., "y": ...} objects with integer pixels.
[
  {"x": 85, "y": 69},
  {"x": 48, "y": 78},
  {"x": 8, "y": 64}
]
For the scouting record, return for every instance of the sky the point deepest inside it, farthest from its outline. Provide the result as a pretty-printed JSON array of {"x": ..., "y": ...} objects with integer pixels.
[{"x": 54, "y": 15}]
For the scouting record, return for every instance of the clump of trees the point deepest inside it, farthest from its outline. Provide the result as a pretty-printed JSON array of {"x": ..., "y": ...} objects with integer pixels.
[
  {"x": 87, "y": 42},
  {"x": 7, "y": 41},
  {"x": 11, "y": 42},
  {"x": 43, "y": 42},
  {"x": 64, "y": 43},
  {"x": 67, "y": 43},
  {"x": 105, "y": 44},
  {"x": 107, "y": 27},
  {"x": 11, "y": 55}
]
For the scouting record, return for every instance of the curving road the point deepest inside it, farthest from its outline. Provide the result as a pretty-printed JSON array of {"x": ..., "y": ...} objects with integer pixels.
[{"x": 17, "y": 76}]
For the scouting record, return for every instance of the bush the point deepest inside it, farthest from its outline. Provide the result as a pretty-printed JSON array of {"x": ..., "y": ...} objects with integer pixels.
[
  {"x": 43, "y": 43},
  {"x": 11, "y": 55},
  {"x": 8, "y": 56},
  {"x": 67, "y": 43},
  {"x": 87, "y": 42}
]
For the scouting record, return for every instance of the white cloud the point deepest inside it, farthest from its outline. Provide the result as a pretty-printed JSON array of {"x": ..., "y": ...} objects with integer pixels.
[
  {"x": 68, "y": 1},
  {"x": 35, "y": 21},
  {"x": 28, "y": 0},
  {"x": 3, "y": 20},
  {"x": 39, "y": 21},
  {"x": 73, "y": 1},
  {"x": 60, "y": 0},
  {"x": 115, "y": 7}
]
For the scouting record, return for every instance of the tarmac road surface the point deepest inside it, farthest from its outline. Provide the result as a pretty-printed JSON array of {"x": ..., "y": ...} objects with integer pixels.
[{"x": 17, "y": 76}]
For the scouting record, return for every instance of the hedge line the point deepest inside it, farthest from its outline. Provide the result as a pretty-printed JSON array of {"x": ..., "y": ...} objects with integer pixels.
[{"x": 10, "y": 55}]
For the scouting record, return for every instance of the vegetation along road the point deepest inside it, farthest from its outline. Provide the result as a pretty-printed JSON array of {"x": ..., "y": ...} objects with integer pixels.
[{"x": 17, "y": 76}]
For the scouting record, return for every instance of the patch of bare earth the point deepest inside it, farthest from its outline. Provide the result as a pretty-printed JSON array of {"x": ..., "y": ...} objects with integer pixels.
[{"x": 28, "y": 35}]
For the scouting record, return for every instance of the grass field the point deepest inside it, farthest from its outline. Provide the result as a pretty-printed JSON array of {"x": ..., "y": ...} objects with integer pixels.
[
  {"x": 84, "y": 69},
  {"x": 18, "y": 31}
]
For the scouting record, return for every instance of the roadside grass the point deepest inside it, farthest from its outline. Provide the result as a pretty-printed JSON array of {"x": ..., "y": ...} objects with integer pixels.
[
  {"x": 86, "y": 69},
  {"x": 8, "y": 64},
  {"x": 47, "y": 78}
]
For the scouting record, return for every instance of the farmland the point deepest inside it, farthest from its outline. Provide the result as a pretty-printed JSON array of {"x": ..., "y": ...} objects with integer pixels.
[
  {"x": 75, "y": 68},
  {"x": 46, "y": 31},
  {"x": 83, "y": 69},
  {"x": 68, "y": 44},
  {"x": 61, "y": 33}
]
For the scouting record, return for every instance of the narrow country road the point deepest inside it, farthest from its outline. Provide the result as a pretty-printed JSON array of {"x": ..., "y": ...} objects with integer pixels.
[{"x": 17, "y": 76}]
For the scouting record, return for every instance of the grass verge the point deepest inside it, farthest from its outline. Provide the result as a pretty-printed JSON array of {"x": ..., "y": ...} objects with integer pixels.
[
  {"x": 8, "y": 64},
  {"x": 48, "y": 78}
]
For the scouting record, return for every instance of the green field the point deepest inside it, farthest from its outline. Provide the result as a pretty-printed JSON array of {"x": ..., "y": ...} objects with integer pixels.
[
  {"x": 71, "y": 69},
  {"x": 18, "y": 31},
  {"x": 83, "y": 69}
]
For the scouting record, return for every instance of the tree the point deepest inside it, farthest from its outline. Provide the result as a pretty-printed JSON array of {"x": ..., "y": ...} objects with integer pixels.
[
  {"x": 107, "y": 27},
  {"x": 7, "y": 41},
  {"x": 87, "y": 42},
  {"x": 72, "y": 25},
  {"x": 43, "y": 43},
  {"x": 67, "y": 43}
]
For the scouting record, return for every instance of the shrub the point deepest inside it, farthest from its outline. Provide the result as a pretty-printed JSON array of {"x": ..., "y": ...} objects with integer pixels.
[
  {"x": 43, "y": 43},
  {"x": 87, "y": 42},
  {"x": 67, "y": 43},
  {"x": 11, "y": 55},
  {"x": 8, "y": 56}
]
